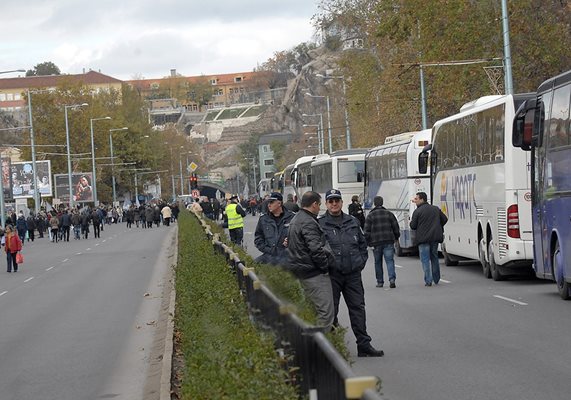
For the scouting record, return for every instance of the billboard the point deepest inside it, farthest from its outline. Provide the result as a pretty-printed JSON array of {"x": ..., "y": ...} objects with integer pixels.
[
  {"x": 22, "y": 175},
  {"x": 6, "y": 179},
  {"x": 80, "y": 186}
]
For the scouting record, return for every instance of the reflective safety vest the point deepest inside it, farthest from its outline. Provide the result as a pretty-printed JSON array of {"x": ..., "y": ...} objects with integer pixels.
[{"x": 235, "y": 220}]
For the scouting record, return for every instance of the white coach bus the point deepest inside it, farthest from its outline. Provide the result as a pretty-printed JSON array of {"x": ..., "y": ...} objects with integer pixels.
[
  {"x": 482, "y": 184},
  {"x": 301, "y": 175},
  {"x": 392, "y": 172},
  {"x": 343, "y": 170}
]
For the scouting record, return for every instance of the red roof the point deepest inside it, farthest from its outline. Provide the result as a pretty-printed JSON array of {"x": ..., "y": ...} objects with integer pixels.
[
  {"x": 222, "y": 79},
  {"x": 89, "y": 78}
]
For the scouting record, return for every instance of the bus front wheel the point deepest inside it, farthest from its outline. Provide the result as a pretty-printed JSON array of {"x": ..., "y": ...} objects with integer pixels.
[
  {"x": 494, "y": 269},
  {"x": 558, "y": 273}
]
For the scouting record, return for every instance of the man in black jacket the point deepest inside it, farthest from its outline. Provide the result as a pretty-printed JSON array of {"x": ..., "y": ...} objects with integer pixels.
[
  {"x": 344, "y": 235},
  {"x": 271, "y": 232},
  {"x": 428, "y": 221},
  {"x": 311, "y": 258},
  {"x": 382, "y": 230}
]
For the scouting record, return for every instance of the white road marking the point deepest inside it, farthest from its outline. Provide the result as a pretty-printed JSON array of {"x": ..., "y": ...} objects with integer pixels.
[
  {"x": 104, "y": 240},
  {"x": 97, "y": 244},
  {"x": 521, "y": 303},
  {"x": 66, "y": 260},
  {"x": 78, "y": 254},
  {"x": 89, "y": 248},
  {"x": 445, "y": 281},
  {"x": 3, "y": 293},
  {"x": 398, "y": 266},
  {"x": 29, "y": 279},
  {"x": 50, "y": 268}
]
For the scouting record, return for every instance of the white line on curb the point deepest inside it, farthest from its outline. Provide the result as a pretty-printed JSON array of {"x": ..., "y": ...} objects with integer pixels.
[
  {"x": 521, "y": 303},
  {"x": 29, "y": 279}
]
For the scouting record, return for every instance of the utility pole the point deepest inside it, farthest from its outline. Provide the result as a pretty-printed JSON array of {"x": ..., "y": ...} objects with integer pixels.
[{"x": 507, "y": 52}]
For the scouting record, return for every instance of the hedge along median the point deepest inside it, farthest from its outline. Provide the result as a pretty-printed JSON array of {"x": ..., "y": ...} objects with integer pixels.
[{"x": 224, "y": 355}]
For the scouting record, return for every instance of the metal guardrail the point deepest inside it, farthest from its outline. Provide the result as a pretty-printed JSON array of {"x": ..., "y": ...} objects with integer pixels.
[{"x": 314, "y": 364}]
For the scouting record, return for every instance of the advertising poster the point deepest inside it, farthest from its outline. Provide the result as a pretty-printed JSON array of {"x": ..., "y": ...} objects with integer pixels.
[
  {"x": 80, "y": 185},
  {"x": 22, "y": 175},
  {"x": 6, "y": 179}
]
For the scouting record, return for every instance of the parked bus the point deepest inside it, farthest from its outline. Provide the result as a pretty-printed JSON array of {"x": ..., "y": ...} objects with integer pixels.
[
  {"x": 542, "y": 125},
  {"x": 392, "y": 172},
  {"x": 301, "y": 175},
  {"x": 343, "y": 170},
  {"x": 287, "y": 183},
  {"x": 276, "y": 182},
  {"x": 264, "y": 187},
  {"x": 483, "y": 185}
]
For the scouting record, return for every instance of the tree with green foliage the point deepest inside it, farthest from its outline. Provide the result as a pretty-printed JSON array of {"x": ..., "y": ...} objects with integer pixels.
[{"x": 42, "y": 69}]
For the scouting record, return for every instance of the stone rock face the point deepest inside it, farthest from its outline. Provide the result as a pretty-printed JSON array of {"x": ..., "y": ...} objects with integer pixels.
[{"x": 221, "y": 142}]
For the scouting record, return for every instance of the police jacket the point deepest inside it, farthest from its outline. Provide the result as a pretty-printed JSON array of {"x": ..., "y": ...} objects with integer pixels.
[
  {"x": 309, "y": 253},
  {"x": 347, "y": 241},
  {"x": 428, "y": 221},
  {"x": 270, "y": 235},
  {"x": 381, "y": 227}
]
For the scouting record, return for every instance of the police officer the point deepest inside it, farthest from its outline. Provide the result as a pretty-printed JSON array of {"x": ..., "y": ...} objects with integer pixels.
[
  {"x": 235, "y": 214},
  {"x": 271, "y": 231},
  {"x": 344, "y": 235}
]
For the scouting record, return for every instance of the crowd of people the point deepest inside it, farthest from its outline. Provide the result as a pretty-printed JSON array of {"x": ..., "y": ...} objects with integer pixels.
[{"x": 58, "y": 225}]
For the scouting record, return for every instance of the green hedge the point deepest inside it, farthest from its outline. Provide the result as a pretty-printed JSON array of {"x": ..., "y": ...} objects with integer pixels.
[{"x": 225, "y": 356}]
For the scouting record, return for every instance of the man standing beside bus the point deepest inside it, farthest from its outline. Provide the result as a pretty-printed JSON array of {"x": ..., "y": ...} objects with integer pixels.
[
  {"x": 382, "y": 230},
  {"x": 344, "y": 235},
  {"x": 428, "y": 221}
]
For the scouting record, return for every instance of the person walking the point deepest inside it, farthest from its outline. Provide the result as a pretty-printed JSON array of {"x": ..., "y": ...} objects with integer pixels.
[
  {"x": 271, "y": 232},
  {"x": 166, "y": 212},
  {"x": 428, "y": 221},
  {"x": 31, "y": 226},
  {"x": 344, "y": 235},
  {"x": 65, "y": 225},
  {"x": 382, "y": 231},
  {"x": 95, "y": 220},
  {"x": 12, "y": 245},
  {"x": 54, "y": 225},
  {"x": 311, "y": 258},
  {"x": 21, "y": 226},
  {"x": 76, "y": 222},
  {"x": 356, "y": 210},
  {"x": 85, "y": 218},
  {"x": 235, "y": 214},
  {"x": 149, "y": 216}
]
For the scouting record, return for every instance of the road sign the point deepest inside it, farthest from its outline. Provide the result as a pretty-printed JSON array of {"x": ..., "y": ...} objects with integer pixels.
[
  {"x": 192, "y": 167},
  {"x": 195, "y": 193}
]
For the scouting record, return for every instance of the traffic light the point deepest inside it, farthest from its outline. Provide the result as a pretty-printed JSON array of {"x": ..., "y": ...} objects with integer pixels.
[{"x": 193, "y": 181}]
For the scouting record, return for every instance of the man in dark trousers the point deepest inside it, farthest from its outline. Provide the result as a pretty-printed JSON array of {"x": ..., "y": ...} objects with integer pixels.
[
  {"x": 344, "y": 235},
  {"x": 381, "y": 231},
  {"x": 271, "y": 232},
  {"x": 428, "y": 221},
  {"x": 311, "y": 258},
  {"x": 235, "y": 214}
]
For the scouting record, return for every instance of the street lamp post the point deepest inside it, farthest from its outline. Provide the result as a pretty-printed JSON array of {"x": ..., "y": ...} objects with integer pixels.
[
  {"x": 34, "y": 168},
  {"x": 68, "y": 151},
  {"x": 93, "y": 171},
  {"x": 113, "y": 160},
  {"x": 253, "y": 159},
  {"x": 180, "y": 171}
]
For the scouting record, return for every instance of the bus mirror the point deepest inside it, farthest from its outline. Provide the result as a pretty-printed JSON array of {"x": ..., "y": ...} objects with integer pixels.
[
  {"x": 423, "y": 162},
  {"x": 523, "y": 125}
]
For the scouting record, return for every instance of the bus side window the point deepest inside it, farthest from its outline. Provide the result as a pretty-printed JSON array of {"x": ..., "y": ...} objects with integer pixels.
[{"x": 559, "y": 122}]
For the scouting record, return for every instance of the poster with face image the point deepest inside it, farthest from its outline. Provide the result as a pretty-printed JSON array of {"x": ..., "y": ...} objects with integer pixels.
[
  {"x": 22, "y": 175},
  {"x": 80, "y": 185},
  {"x": 6, "y": 179}
]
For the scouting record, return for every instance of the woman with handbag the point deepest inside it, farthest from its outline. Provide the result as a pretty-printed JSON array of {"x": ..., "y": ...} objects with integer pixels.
[{"x": 12, "y": 245}]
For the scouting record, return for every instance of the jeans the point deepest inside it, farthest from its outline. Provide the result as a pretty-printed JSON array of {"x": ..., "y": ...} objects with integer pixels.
[
  {"x": 429, "y": 256},
  {"x": 388, "y": 252},
  {"x": 76, "y": 231}
]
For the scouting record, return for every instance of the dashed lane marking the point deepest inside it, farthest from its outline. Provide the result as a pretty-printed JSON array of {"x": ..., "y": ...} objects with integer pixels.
[
  {"x": 3, "y": 293},
  {"x": 29, "y": 279},
  {"x": 50, "y": 268},
  {"x": 78, "y": 254},
  {"x": 97, "y": 244},
  {"x": 521, "y": 303},
  {"x": 398, "y": 266},
  {"x": 89, "y": 248},
  {"x": 65, "y": 260},
  {"x": 445, "y": 281}
]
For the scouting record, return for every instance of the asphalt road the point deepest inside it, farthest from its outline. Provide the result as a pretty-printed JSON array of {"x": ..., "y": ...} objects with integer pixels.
[
  {"x": 467, "y": 338},
  {"x": 79, "y": 319}
]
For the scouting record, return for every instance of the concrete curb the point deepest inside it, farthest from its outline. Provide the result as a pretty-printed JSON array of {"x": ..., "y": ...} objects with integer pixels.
[{"x": 166, "y": 372}]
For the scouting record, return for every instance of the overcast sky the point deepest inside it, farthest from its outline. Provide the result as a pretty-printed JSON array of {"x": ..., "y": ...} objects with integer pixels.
[{"x": 127, "y": 38}]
